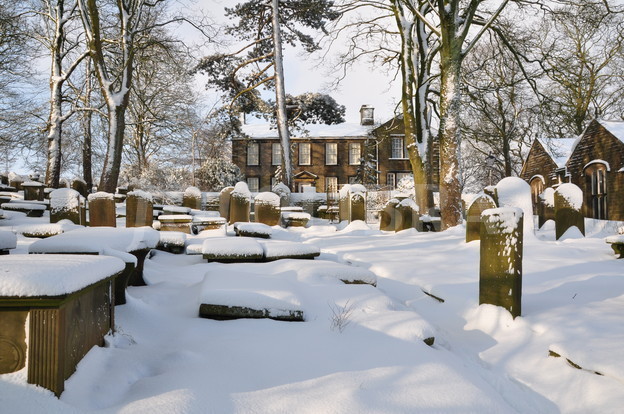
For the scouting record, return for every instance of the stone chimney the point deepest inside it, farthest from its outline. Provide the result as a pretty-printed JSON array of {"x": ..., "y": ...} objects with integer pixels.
[{"x": 367, "y": 115}]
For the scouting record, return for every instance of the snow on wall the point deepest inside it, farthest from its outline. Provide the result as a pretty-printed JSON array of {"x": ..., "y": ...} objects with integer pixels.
[{"x": 100, "y": 195}]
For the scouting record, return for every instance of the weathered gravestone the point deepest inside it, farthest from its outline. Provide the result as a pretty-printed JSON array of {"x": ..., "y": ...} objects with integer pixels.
[
  {"x": 500, "y": 270},
  {"x": 388, "y": 216},
  {"x": 139, "y": 209},
  {"x": 407, "y": 216},
  {"x": 192, "y": 198},
  {"x": 473, "y": 216},
  {"x": 80, "y": 185},
  {"x": 33, "y": 190},
  {"x": 175, "y": 222},
  {"x": 546, "y": 207},
  {"x": 240, "y": 203},
  {"x": 357, "y": 201},
  {"x": 66, "y": 203},
  {"x": 515, "y": 192},
  {"x": 568, "y": 207},
  {"x": 267, "y": 208},
  {"x": 224, "y": 202},
  {"x": 344, "y": 204},
  {"x": 102, "y": 212}
]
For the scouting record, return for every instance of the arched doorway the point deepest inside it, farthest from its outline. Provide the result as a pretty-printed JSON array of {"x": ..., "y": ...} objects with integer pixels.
[
  {"x": 537, "y": 188},
  {"x": 596, "y": 178}
]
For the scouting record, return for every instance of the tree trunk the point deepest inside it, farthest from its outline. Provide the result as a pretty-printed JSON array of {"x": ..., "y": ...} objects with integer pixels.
[
  {"x": 112, "y": 161},
  {"x": 280, "y": 98}
]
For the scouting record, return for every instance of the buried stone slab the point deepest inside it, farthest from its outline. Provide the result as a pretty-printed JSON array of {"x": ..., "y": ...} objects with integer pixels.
[
  {"x": 224, "y": 313},
  {"x": 500, "y": 269},
  {"x": 232, "y": 249},
  {"x": 295, "y": 219},
  {"x": 568, "y": 209},
  {"x": 473, "y": 216},
  {"x": 253, "y": 230},
  {"x": 172, "y": 242},
  {"x": 280, "y": 249}
]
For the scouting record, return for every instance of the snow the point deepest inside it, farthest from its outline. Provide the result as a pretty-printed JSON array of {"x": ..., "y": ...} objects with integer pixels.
[
  {"x": 515, "y": 192},
  {"x": 267, "y": 198},
  {"x": 176, "y": 218},
  {"x": 229, "y": 246},
  {"x": 615, "y": 239},
  {"x": 559, "y": 149},
  {"x": 8, "y": 240},
  {"x": 32, "y": 184},
  {"x": 63, "y": 199},
  {"x": 548, "y": 196},
  {"x": 176, "y": 209},
  {"x": 13, "y": 205},
  {"x": 360, "y": 349},
  {"x": 257, "y": 228},
  {"x": 100, "y": 195},
  {"x": 192, "y": 192},
  {"x": 507, "y": 218},
  {"x": 614, "y": 127},
  {"x": 572, "y": 194},
  {"x": 279, "y": 248},
  {"x": 346, "y": 129},
  {"x": 53, "y": 275},
  {"x": 141, "y": 194},
  {"x": 47, "y": 229},
  {"x": 241, "y": 190},
  {"x": 295, "y": 215},
  {"x": 605, "y": 163}
]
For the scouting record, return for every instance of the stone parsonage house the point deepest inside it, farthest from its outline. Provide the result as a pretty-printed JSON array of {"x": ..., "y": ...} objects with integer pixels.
[
  {"x": 325, "y": 156},
  {"x": 594, "y": 162}
]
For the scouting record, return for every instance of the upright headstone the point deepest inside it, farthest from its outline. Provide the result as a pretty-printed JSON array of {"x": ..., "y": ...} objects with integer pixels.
[
  {"x": 515, "y": 192},
  {"x": 546, "y": 206},
  {"x": 80, "y": 185},
  {"x": 139, "y": 209},
  {"x": 500, "y": 270},
  {"x": 192, "y": 198},
  {"x": 102, "y": 212},
  {"x": 240, "y": 203},
  {"x": 267, "y": 208},
  {"x": 473, "y": 216},
  {"x": 33, "y": 190},
  {"x": 224, "y": 202},
  {"x": 344, "y": 203},
  {"x": 388, "y": 216},
  {"x": 407, "y": 216},
  {"x": 357, "y": 200},
  {"x": 568, "y": 209},
  {"x": 66, "y": 203}
]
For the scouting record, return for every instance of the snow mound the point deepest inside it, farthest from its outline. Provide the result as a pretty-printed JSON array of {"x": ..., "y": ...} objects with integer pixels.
[{"x": 8, "y": 240}]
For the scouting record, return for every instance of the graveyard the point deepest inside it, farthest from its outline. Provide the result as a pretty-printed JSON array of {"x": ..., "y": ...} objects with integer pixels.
[{"x": 234, "y": 302}]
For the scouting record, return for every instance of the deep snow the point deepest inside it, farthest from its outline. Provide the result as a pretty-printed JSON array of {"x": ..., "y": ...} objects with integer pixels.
[{"x": 361, "y": 348}]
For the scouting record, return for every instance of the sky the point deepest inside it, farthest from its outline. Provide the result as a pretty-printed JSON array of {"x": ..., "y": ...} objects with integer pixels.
[{"x": 362, "y": 85}]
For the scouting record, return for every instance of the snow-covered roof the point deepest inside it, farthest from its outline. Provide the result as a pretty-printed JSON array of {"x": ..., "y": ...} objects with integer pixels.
[
  {"x": 559, "y": 149},
  {"x": 614, "y": 127},
  {"x": 346, "y": 129}
]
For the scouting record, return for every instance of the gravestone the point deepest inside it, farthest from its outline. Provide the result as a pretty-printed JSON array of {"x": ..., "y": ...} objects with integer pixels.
[
  {"x": 224, "y": 202},
  {"x": 546, "y": 206},
  {"x": 500, "y": 269},
  {"x": 66, "y": 203},
  {"x": 102, "y": 212},
  {"x": 192, "y": 198},
  {"x": 407, "y": 216},
  {"x": 388, "y": 216},
  {"x": 283, "y": 192},
  {"x": 80, "y": 185},
  {"x": 33, "y": 190},
  {"x": 139, "y": 209},
  {"x": 267, "y": 208},
  {"x": 473, "y": 216},
  {"x": 240, "y": 203},
  {"x": 568, "y": 207},
  {"x": 175, "y": 222}
]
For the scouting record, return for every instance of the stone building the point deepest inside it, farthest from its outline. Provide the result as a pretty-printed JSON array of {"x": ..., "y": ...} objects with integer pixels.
[
  {"x": 595, "y": 163},
  {"x": 324, "y": 156}
]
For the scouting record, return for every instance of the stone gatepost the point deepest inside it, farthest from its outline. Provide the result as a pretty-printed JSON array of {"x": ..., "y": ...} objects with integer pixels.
[
  {"x": 102, "y": 212},
  {"x": 407, "y": 217},
  {"x": 240, "y": 203},
  {"x": 139, "y": 209},
  {"x": 546, "y": 207},
  {"x": 33, "y": 190},
  {"x": 473, "y": 216},
  {"x": 80, "y": 185},
  {"x": 267, "y": 209},
  {"x": 192, "y": 198},
  {"x": 224, "y": 202},
  {"x": 66, "y": 203},
  {"x": 568, "y": 209},
  {"x": 500, "y": 276},
  {"x": 388, "y": 216}
]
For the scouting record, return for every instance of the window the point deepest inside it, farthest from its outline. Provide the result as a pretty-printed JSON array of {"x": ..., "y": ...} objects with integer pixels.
[
  {"x": 391, "y": 180},
  {"x": 597, "y": 176},
  {"x": 304, "y": 154},
  {"x": 253, "y": 153},
  {"x": 355, "y": 153},
  {"x": 276, "y": 154},
  {"x": 254, "y": 184},
  {"x": 331, "y": 153},
  {"x": 331, "y": 184},
  {"x": 404, "y": 175},
  {"x": 398, "y": 147},
  {"x": 537, "y": 188}
]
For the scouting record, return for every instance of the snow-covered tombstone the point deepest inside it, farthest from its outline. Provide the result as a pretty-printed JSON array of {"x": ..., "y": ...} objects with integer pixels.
[
  {"x": 295, "y": 219},
  {"x": 500, "y": 269},
  {"x": 344, "y": 204},
  {"x": 240, "y": 203},
  {"x": 139, "y": 209},
  {"x": 175, "y": 222},
  {"x": 102, "y": 210},
  {"x": 192, "y": 198},
  {"x": 33, "y": 190},
  {"x": 15, "y": 180},
  {"x": 388, "y": 216},
  {"x": 80, "y": 185},
  {"x": 473, "y": 216},
  {"x": 515, "y": 192},
  {"x": 357, "y": 201},
  {"x": 224, "y": 202},
  {"x": 546, "y": 206},
  {"x": 66, "y": 203},
  {"x": 283, "y": 192},
  {"x": 407, "y": 215},
  {"x": 568, "y": 202},
  {"x": 267, "y": 208}
]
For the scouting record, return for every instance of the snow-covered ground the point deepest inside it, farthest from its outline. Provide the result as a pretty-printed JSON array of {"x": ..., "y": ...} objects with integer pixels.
[{"x": 361, "y": 348}]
